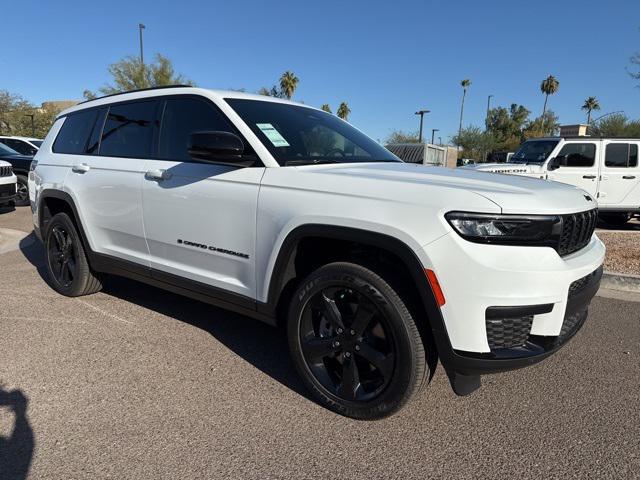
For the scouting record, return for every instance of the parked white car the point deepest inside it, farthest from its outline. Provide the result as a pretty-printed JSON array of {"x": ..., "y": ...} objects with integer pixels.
[
  {"x": 290, "y": 215},
  {"x": 23, "y": 145},
  {"x": 606, "y": 168},
  {"x": 7, "y": 184}
]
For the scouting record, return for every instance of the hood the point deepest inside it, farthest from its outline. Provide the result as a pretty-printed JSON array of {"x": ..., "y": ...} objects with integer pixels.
[
  {"x": 17, "y": 157},
  {"x": 512, "y": 193}
]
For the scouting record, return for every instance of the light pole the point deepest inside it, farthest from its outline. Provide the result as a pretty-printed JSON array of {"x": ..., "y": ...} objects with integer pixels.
[
  {"x": 33, "y": 127},
  {"x": 433, "y": 132},
  {"x": 140, "y": 28},
  {"x": 440, "y": 141},
  {"x": 421, "y": 113},
  {"x": 486, "y": 121}
]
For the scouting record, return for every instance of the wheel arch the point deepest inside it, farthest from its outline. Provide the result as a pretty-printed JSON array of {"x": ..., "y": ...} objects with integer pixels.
[{"x": 51, "y": 202}]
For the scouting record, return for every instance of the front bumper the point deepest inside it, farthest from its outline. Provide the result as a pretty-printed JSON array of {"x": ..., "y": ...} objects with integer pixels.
[
  {"x": 8, "y": 192},
  {"x": 537, "y": 347}
]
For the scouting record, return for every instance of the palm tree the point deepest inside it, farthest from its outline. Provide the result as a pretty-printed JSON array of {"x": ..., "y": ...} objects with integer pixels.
[
  {"x": 466, "y": 83},
  {"x": 590, "y": 104},
  {"x": 288, "y": 83},
  {"x": 326, "y": 108},
  {"x": 549, "y": 86},
  {"x": 343, "y": 111}
]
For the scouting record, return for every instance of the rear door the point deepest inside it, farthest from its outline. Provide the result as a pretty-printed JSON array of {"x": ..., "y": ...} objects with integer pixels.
[
  {"x": 578, "y": 166},
  {"x": 199, "y": 218},
  {"x": 107, "y": 179},
  {"x": 620, "y": 175}
]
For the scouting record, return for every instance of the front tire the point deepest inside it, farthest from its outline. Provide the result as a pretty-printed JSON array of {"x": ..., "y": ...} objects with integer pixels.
[
  {"x": 354, "y": 342},
  {"x": 615, "y": 219},
  {"x": 67, "y": 263}
]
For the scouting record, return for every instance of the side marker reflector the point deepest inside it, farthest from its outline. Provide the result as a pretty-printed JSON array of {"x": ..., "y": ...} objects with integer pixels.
[{"x": 435, "y": 286}]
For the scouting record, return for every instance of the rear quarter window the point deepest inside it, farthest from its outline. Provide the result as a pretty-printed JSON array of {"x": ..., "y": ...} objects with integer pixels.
[{"x": 74, "y": 133}]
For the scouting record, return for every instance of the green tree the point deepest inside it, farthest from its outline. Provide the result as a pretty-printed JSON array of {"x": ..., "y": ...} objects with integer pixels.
[
  {"x": 589, "y": 105},
  {"x": 549, "y": 86},
  {"x": 16, "y": 115},
  {"x": 545, "y": 125},
  {"x": 616, "y": 125},
  {"x": 325, "y": 107},
  {"x": 131, "y": 74},
  {"x": 465, "y": 84},
  {"x": 506, "y": 126},
  {"x": 475, "y": 142},
  {"x": 288, "y": 84},
  {"x": 343, "y": 111},
  {"x": 398, "y": 136}
]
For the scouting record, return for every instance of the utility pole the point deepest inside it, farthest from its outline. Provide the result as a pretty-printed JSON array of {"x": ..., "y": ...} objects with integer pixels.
[
  {"x": 140, "y": 28},
  {"x": 486, "y": 121},
  {"x": 421, "y": 113},
  {"x": 33, "y": 127},
  {"x": 433, "y": 132}
]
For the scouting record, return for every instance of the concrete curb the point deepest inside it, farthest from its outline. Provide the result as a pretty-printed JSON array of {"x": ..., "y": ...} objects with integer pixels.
[
  {"x": 620, "y": 281},
  {"x": 10, "y": 239}
]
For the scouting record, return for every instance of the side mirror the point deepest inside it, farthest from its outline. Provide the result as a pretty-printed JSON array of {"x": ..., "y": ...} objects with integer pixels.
[
  {"x": 553, "y": 164},
  {"x": 218, "y": 147}
]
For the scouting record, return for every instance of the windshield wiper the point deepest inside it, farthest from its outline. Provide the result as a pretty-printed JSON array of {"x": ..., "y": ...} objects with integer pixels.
[{"x": 309, "y": 161}]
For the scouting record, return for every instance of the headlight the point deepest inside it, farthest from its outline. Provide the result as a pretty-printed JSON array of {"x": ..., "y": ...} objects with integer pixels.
[{"x": 528, "y": 230}]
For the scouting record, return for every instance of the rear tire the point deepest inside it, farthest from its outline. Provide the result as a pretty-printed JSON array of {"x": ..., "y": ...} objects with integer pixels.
[
  {"x": 354, "y": 342},
  {"x": 22, "y": 191},
  {"x": 66, "y": 260}
]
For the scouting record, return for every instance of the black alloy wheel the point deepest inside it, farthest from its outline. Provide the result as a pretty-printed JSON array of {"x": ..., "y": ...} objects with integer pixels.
[
  {"x": 347, "y": 343},
  {"x": 62, "y": 256},
  {"x": 354, "y": 342},
  {"x": 67, "y": 262},
  {"x": 22, "y": 192}
]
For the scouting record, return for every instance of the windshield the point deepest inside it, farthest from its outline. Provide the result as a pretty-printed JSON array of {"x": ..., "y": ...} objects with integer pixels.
[
  {"x": 4, "y": 150},
  {"x": 297, "y": 135},
  {"x": 37, "y": 143},
  {"x": 535, "y": 151}
]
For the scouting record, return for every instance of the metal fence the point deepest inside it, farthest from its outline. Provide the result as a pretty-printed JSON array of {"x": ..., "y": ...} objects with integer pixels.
[{"x": 424, "y": 153}]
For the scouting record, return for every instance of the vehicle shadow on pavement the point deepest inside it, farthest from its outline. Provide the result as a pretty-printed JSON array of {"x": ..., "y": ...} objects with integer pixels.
[
  {"x": 16, "y": 450},
  {"x": 262, "y": 345},
  {"x": 259, "y": 344}
]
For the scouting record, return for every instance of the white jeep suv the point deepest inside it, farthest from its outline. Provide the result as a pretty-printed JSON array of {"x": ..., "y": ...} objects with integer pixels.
[
  {"x": 8, "y": 181},
  {"x": 288, "y": 214}
]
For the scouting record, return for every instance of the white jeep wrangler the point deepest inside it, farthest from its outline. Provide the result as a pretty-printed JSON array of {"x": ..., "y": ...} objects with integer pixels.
[
  {"x": 606, "y": 168},
  {"x": 288, "y": 214}
]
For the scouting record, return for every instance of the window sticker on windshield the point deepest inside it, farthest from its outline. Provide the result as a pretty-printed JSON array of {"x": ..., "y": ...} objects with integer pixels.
[{"x": 272, "y": 134}]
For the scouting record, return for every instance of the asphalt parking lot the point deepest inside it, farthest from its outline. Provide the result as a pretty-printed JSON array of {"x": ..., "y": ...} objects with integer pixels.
[{"x": 135, "y": 382}]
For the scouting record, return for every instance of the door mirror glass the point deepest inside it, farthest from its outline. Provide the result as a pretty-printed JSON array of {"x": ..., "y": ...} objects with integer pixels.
[
  {"x": 554, "y": 164},
  {"x": 218, "y": 147}
]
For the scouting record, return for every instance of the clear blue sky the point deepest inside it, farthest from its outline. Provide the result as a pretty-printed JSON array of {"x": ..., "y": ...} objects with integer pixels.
[{"x": 385, "y": 58}]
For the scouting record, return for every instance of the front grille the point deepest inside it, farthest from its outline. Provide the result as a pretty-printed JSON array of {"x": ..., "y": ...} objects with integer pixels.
[
  {"x": 6, "y": 171},
  {"x": 577, "y": 229},
  {"x": 508, "y": 332}
]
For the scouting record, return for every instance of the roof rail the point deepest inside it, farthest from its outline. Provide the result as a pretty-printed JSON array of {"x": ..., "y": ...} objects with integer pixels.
[{"x": 137, "y": 90}]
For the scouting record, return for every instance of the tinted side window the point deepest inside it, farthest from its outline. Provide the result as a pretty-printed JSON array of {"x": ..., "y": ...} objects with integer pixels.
[
  {"x": 19, "y": 146},
  {"x": 621, "y": 155},
  {"x": 128, "y": 130},
  {"x": 74, "y": 133},
  {"x": 577, "y": 155},
  {"x": 94, "y": 139},
  {"x": 183, "y": 116}
]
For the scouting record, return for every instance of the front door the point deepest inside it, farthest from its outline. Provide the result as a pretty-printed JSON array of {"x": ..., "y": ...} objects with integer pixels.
[
  {"x": 199, "y": 218},
  {"x": 619, "y": 175},
  {"x": 578, "y": 166}
]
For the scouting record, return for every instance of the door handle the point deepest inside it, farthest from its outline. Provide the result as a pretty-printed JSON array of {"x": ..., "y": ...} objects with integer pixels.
[
  {"x": 591, "y": 177},
  {"x": 81, "y": 168},
  {"x": 158, "y": 175},
  {"x": 629, "y": 177}
]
